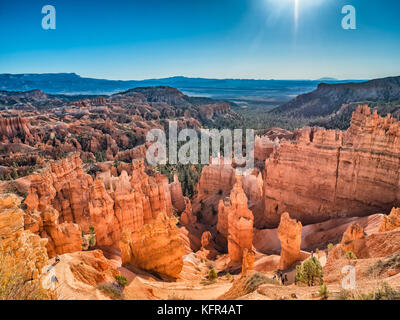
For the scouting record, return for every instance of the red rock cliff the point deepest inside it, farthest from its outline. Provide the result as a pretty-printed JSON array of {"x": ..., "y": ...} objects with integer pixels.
[
  {"x": 326, "y": 173},
  {"x": 64, "y": 200}
]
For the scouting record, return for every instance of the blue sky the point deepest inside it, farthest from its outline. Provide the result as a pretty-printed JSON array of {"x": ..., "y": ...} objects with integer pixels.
[{"x": 123, "y": 39}]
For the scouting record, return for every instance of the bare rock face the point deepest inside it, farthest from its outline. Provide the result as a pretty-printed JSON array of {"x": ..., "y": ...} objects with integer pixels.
[
  {"x": 224, "y": 208},
  {"x": 156, "y": 247},
  {"x": 353, "y": 240},
  {"x": 207, "y": 250},
  {"x": 247, "y": 261},
  {"x": 374, "y": 245},
  {"x": 253, "y": 188},
  {"x": 24, "y": 245},
  {"x": 326, "y": 174},
  {"x": 215, "y": 179},
  {"x": 187, "y": 216},
  {"x": 206, "y": 239},
  {"x": 352, "y": 233},
  {"x": 63, "y": 237},
  {"x": 263, "y": 147},
  {"x": 289, "y": 233},
  {"x": 239, "y": 225},
  {"x": 91, "y": 267},
  {"x": 178, "y": 201},
  {"x": 64, "y": 201},
  {"x": 391, "y": 221},
  {"x": 13, "y": 127},
  {"x": 215, "y": 183}
]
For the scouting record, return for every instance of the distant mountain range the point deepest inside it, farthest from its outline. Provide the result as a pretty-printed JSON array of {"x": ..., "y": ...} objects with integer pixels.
[{"x": 71, "y": 83}]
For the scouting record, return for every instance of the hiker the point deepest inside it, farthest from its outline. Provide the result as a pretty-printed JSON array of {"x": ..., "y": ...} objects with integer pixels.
[
  {"x": 286, "y": 279},
  {"x": 312, "y": 254},
  {"x": 281, "y": 278}
]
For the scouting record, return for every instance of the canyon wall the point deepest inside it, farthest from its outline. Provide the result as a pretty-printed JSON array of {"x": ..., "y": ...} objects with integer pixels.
[{"x": 326, "y": 174}]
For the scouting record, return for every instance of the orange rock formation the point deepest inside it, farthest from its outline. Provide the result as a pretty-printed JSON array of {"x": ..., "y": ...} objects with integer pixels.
[
  {"x": 352, "y": 234},
  {"x": 235, "y": 222},
  {"x": 391, "y": 221},
  {"x": 156, "y": 247},
  {"x": 24, "y": 245},
  {"x": 12, "y": 127},
  {"x": 187, "y": 216},
  {"x": 374, "y": 245},
  {"x": 247, "y": 261},
  {"x": 64, "y": 200},
  {"x": 289, "y": 233},
  {"x": 177, "y": 198},
  {"x": 327, "y": 173}
]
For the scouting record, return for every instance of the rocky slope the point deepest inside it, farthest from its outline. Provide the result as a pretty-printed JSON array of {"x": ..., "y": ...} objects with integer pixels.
[{"x": 329, "y": 98}]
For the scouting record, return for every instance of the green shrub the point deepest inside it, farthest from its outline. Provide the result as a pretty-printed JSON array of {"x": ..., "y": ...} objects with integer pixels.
[
  {"x": 15, "y": 174},
  {"x": 122, "y": 281},
  {"x": 92, "y": 241},
  {"x": 212, "y": 274},
  {"x": 381, "y": 266},
  {"x": 350, "y": 255},
  {"x": 256, "y": 280},
  {"x": 92, "y": 230},
  {"x": 385, "y": 292},
  {"x": 344, "y": 295},
  {"x": 330, "y": 246},
  {"x": 116, "y": 163},
  {"x": 111, "y": 290},
  {"x": 323, "y": 291},
  {"x": 309, "y": 272}
]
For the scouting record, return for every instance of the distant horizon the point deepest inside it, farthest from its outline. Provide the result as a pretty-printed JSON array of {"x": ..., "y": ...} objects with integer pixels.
[{"x": 327, "y": 78}]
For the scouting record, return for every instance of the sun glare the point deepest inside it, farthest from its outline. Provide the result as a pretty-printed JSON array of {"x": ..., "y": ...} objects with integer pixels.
[{"x": 293, "y": 7}]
